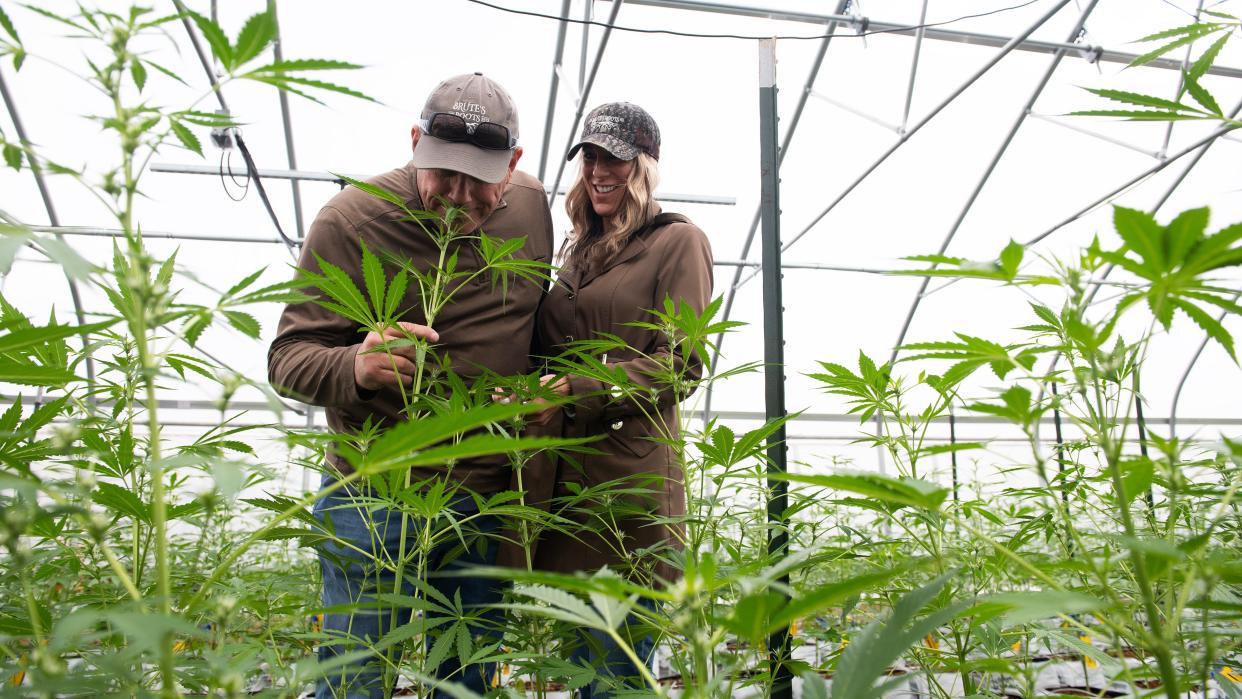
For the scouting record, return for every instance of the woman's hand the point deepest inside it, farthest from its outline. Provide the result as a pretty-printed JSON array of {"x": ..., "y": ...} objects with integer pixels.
[{"x": 558, "y": 385}]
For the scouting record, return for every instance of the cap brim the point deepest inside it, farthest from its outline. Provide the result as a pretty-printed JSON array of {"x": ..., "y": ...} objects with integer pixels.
[
  {"x": 619, "y": 149},
  {"x": 490, "y": 166}
]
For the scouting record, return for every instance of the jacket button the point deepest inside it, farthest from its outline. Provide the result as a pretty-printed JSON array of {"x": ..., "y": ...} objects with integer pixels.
[
  {"x": 617, "y": 425},
  {"x": 571, "y": 295},
  {"x": 569, "y": 338}
]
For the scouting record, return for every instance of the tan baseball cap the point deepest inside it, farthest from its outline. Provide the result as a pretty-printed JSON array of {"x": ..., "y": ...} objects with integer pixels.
[{"x": 469, "y": 125}]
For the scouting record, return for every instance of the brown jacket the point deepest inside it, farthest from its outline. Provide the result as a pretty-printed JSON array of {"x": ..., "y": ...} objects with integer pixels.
[
  {"x": 312, "y": 357},
  {"x": 673, "y": 261}
]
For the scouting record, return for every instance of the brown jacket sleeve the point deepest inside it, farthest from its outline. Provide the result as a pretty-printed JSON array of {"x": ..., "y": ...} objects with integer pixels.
[
  {"x": 312, "y": 357},
  {"x": 683, "y": 274}
]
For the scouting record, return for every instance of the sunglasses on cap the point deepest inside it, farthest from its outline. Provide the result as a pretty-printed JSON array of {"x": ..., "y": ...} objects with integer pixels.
[{"x": 482, "y": 134}]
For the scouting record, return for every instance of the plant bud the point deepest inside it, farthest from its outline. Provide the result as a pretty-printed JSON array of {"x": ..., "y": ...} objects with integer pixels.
[
  {"x": 64, "y": 436},
  {"x": 98, "y": 525}
]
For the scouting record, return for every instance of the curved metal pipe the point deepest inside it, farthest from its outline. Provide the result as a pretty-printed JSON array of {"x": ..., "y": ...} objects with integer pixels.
[
  {"x": 74, "y": 294},
  {"x": 586, "y": 90},
  {"x": 731, "y": 294},
  {"x": 1177, "y": 394},
  {"x": 552, "y": 89},
  {"x": 987, "y": 173}
]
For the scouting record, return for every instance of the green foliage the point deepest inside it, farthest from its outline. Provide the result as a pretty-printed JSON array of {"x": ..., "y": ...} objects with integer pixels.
[{"x": 1205, "y": 106}]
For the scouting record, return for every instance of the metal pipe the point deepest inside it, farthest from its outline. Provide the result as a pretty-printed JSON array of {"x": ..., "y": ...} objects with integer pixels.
[
  {"x": 731, "y": 294},
  {"x": 773, "y": 346},
  {"x": 334, "y": 179},
  {"x": 895, "y": 128},
  {"x": 75, "y": 294},
  {"x": 1203, "y": 143},
  {"x": 1005, "y": 51},
  {"x": 202, "y": 55},
  {"x": 1089, "y": 53},
  {"x": 1088, "y": 132},
  {"x": 290, "y": 152},
  {"x": 1181, "y": 80},
  {"x": 914, "y": 67},
  {"x": 987, "y": 173},
  {"x": 556, "y": 83},
  {"x": 118, "y": 233},
  {"x": 588, "y": 14},
  {"x": 586, "y": 91},
  {"x": 1177, "y": 393}
]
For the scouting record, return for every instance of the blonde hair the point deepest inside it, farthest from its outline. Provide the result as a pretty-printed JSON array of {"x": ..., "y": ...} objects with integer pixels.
[{"x": 590, "y": 243}]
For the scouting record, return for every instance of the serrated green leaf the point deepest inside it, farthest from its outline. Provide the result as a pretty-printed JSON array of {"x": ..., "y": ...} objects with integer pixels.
[
  {"x": 374, "y": 190},
  {"x": 1139, "y": 115},
  {"x": 1158, "y": 52},
  {"x": 1011, "y": 258},
  {"x": 245, "y": 282},
  {"x": 256, "y": 34},
  {"x": 13, "y": 155},
  {"x": 285, "y": 82},
  {"x": 1196, "y": 29},
  {"x": 1210, "y": 325},
  {"x": 373, "y": 277},
  {"x": 121, "y": 501},
  {"x": 21, "y": 339},
  {"x": 139, "y": 73},
  {"x": 1202, "y": 96},
  {"x": 9, "y": 29},
  {"x": 186, "y": 136},
  {"x": 910, "y": 492},
  {"x": 1202, "y": 64},
  {"x": 295, "y": 65},
  {"x": 1138, "y": 99},
  {"x": 1136, "y": 477},
  {"x": 216, "y": 39},
  {"x": 244, "y": 323}
]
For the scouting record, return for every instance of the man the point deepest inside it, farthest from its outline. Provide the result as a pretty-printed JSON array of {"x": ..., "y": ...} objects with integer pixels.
[{"x": 465, "y": 155}]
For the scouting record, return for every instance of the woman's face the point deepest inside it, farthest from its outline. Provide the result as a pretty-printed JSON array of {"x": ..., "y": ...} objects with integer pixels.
[{"x": 605, "y": 176}]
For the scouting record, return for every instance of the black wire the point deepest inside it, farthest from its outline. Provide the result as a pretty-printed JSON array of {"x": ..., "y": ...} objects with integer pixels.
[
  {"x": 290, "y": 243},
  {"x": 673, "y": 32},
  {"x": 245, "y": 186}
]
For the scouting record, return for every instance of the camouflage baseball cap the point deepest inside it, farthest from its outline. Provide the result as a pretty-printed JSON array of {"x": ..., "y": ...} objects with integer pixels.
[{"x": 621, "y": 128}]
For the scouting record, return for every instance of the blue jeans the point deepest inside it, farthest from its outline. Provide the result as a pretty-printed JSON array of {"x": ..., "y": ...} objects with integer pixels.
[
  {"x": 351, "y": 577},
  {"x": 613, "y": 668}
]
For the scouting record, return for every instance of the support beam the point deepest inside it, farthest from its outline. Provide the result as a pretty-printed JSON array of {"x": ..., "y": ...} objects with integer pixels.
[
  {"x": 558, "y": 54},
  {"x": 873, "y": 26},
  {"x": 1177, "y": 394},
  {"x": 991, "y": 63},
  {"x": 74, "y": 294},
  {"x": 582, "y": 98},
  {"x": 987, "y": 173},
  {"x": 773, "y": 346},
  {"x": 307, "y": 175},
  {"x": 731, "y": 294},
  {"x": 290, "y": 151}
]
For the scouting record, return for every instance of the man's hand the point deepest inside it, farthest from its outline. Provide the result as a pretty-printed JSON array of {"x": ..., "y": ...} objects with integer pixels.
[{"x": 373, "y": 370}]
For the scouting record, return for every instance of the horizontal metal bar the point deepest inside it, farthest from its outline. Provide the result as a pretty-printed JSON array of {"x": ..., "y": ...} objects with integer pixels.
[
  {"x": 1090, "y": 53},
  {"x": 1088, "y": 132},
  {"x": 299, "y": 409},
  {"x": 149, "y": 234},
  {"x": 214, "y": 171},
  {"x": 895, "y": 128},
  {"x": 959, "y": 419}
]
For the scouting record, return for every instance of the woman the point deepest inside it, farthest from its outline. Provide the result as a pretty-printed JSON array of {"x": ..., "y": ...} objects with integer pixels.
[{"x": 623, "y": 259}]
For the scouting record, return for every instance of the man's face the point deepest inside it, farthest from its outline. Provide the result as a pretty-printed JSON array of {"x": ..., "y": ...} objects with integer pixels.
[{"x": 478, "y": 198}]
